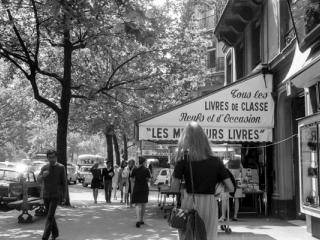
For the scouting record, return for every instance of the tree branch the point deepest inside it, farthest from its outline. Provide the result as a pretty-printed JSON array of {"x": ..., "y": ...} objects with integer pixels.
[
  {"x": 7, "y": 56},
  {"x": 106, "y": 87},
  {"x": 22, "y": 58},
  {"x": 19, "y": 38},
  {"x": 79, "y": 46},
  {"x": 49, "y": 74},
  {"x": 53, "y": 44},
  {"x": 137, "y": 79},
  {"x": 37, "y": 32},
  {"x": 78, "y": 87},
  {"x": 122, "y": 102},
  {"x": 41, "y": 99}
]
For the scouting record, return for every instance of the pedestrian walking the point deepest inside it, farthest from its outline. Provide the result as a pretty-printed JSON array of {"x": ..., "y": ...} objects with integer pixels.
[
  {"x": 96, "y": 181},
  {"x": 207, "y": 171},
  {"x": 107, "y": 174},
  {"x": 123, "y": 176},
  {"x": 54, "y": 181},
  {"x": 130, "y": 182},
  {"x": 141, "y": 176},
  {"x": 115, "y": 181}
]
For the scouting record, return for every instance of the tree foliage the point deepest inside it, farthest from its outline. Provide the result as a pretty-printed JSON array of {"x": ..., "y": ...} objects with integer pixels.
[{"x": 96, "y": 63}]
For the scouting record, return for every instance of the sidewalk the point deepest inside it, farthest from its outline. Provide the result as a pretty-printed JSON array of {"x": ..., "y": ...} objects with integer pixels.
[{"x": 88, "y": 221}]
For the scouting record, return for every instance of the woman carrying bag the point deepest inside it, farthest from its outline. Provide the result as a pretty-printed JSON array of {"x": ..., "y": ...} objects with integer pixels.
[{"x": 206, "y": 170}]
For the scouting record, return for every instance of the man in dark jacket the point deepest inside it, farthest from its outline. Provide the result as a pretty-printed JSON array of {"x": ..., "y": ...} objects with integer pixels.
[
  {"x": 107, "y": 174},
  {"x": 53, "y": 178}
]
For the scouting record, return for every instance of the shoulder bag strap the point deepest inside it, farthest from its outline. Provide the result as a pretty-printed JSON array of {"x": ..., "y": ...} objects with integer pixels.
[{"x": 191, "y": 178}]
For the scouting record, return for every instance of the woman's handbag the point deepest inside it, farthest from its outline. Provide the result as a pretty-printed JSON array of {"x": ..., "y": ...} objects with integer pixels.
[{"x": 178, "y": 218}]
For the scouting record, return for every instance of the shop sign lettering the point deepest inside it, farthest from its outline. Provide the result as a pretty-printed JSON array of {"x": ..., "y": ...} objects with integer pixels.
[
  {"x": 214, "y": 134},
  {"x": 241, "y": 112}
]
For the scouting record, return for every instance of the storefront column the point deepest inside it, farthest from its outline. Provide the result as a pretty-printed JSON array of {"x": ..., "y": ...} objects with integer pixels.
[{"x": 283, "y": 189}]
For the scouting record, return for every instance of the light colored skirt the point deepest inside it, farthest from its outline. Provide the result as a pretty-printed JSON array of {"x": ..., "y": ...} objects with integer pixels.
[{"x": 207, "y": 207}]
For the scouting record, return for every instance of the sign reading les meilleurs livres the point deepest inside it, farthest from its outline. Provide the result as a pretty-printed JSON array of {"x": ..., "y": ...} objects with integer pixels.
[{"x": 241, "y": 112}]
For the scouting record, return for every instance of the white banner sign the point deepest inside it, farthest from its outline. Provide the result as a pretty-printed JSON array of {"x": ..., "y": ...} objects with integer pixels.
[
  {"x": 214, "y": 134},
  {"x": 243, "y": 111}
]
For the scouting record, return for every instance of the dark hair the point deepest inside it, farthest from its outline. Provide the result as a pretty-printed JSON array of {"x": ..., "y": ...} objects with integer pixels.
[
  {"x": 51, "y": 152},
  {"x": 141, "y": 160}
]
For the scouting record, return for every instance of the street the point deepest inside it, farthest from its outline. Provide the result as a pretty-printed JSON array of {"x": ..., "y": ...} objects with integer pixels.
[{"x": 88, "y": 221}]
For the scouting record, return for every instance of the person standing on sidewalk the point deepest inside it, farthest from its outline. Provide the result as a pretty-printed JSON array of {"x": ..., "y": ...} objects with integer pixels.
[
  {"x": 115, "y": 181},
  {"x": 141, "y": 176},
  {"x": 107, "y": 174},
  {"x": 207, "y": 171},
  {"x": 129, "y": 184},
  {"x": 124, "y": 186},
  {"x": 53, "y": 178},
  {"x": 96, "y": 181}
]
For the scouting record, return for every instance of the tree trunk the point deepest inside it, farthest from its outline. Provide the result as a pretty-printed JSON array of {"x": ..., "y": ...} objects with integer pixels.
[
  {"x": 63, "y": 115},
  {"x": 62, "y": 146},
  {"x": 109, "y": 133},
  {"x": 116, "y": 149},
  {"x": 125, "y": 147}
]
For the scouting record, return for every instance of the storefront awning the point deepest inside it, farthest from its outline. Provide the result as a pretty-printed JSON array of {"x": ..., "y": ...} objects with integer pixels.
[
  {"x": 304, "y": 69},
  {"x": 240, "y": 112}
]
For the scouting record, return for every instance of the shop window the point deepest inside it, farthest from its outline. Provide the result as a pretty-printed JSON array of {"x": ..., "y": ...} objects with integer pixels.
[
  {"x": 306, "y": 18},
  {"x": 314, "y": 92},
  {"x": 229, "y": 72},
  {"x": 211, "y": 58},
  {"x": 309, "y": 166}
]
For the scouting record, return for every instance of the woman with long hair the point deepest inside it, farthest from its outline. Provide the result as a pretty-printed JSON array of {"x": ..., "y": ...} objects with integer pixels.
[
  {"x": 96, "y": 180},
  {"x": 207, "y": 171}
]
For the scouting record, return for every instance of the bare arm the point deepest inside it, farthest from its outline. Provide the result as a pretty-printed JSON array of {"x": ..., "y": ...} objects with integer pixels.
[
  {"x": 228, "y": 185},
  {"x": 175, "y": 184}
]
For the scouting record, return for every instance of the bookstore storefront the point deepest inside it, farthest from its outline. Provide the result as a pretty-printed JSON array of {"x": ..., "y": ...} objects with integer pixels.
[{"x": 238, "y": 120}]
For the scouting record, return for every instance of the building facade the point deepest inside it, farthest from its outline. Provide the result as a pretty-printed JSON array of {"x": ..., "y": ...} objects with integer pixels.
[{"x": 280, "y": 37}]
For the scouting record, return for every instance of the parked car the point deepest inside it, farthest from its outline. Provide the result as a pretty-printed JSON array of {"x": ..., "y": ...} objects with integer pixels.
[
  {"x": 87, "y": 177},
  {"x": 71, "y": 173},
  {"x": 7, "y": 164},
  {"x": 11, "y": 188},
  {"x": 164, "y": 176},
  {"x": 84, "y": 171}
]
